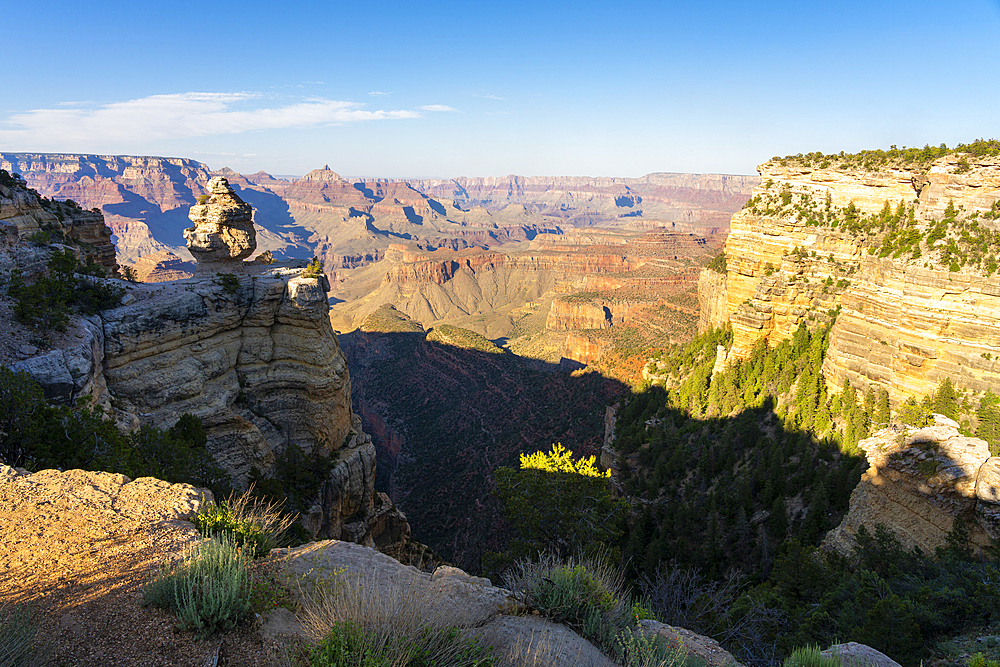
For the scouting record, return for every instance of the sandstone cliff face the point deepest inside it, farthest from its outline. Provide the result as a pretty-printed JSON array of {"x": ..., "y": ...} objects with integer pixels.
[
  {"x": 918, "y": 482},
  {"x": 569, "y": 315},
  {"x": 906, "y": 323},
  {"x": 908, "y": 328},
  {"x": 23, "y": 214},
  {"x": 253, "y": 356},
  {"x": 263, "y": 370}
]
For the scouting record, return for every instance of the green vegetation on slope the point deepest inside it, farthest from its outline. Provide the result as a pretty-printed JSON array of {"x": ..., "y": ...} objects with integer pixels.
[
  {"x": 720, "y": 462},
  {"x": 46, "y": 303},
  {"x": 736, "y": 478},
  {"x": 957, "y": 240},
  {"x": 894, "y": 157},
  {"x": 37, "y": 435},
  {"x": 459, "y": 337},
  {"x": 389, "y": 320}
]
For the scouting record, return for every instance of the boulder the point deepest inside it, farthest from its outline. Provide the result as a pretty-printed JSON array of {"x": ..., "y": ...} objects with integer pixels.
[
  {"x": 854, "y": 654},
  {"x": 223, "y": 234},
  {"x": 704, "y": 648},
  {"x": 447, "y": 593}
]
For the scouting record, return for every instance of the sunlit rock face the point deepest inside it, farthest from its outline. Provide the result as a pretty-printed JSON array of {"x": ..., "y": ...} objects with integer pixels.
[
  {"x": 906, "y": 323},
  {"x": 919, "y": 481},
  {"x": 23, "y": 215},
  {"x": 223, "y": 234}
]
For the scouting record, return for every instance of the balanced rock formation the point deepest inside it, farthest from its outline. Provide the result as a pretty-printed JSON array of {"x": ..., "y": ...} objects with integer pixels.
[
  {"x": 918, "y": 482},
  {"x": 223, "y": 234}
]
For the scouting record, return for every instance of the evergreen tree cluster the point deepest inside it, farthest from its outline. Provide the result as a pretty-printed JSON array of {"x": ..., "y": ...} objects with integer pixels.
[
  {"x": 739, "y": 476},
  {"x": 955, "y": 241},
  {"x": 37, "y": 435},
  {"x": 719, "y": 462}
]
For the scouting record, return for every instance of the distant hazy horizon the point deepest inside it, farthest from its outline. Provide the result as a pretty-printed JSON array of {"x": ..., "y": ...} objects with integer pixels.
[{"x": 441, "y": 89}]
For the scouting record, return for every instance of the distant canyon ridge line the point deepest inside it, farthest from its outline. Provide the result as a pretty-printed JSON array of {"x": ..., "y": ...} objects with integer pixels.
[{"x": 354, "y": 224}]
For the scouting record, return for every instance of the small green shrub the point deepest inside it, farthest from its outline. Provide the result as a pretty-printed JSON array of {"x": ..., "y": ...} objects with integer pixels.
[
  {"x": 360, "y": 622},
  {"x": 46, "y": 304},
  {"x": 229, "y": 283},
  {"x": 810, "y": 656},
  {"x": 718, "y": 263},
  {"x": 129, "y": 274},
  {"x": 248, "y": 519},
  {"x": 640, "y": 649},
  {"x": 20, "y": 645},
  {"x": 209, "y": 590},
  {"x": 980, "y": 660},
  {"x": 203, "y": 199},
  {"x": 314, "y": 270},
  {"x": 585, "y": 595}
]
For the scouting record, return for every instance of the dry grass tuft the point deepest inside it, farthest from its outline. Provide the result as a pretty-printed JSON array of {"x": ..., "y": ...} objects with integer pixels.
[{"x": 387, "y": 620}]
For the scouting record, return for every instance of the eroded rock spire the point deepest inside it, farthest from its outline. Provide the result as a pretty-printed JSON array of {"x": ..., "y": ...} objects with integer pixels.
[{"x": 223, "y": 234}]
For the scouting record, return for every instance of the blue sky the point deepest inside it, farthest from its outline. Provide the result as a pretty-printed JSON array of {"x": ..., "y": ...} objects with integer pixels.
[{"x": 443, "y": 89}]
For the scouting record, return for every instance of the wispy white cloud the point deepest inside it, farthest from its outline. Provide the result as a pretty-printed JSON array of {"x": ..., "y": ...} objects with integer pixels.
[
  {"x": 378, "y": 93},
  {"x": 490, "y": 97},
  {"x": 437, "y": 107},
  {"x": 175, "y": 116}
]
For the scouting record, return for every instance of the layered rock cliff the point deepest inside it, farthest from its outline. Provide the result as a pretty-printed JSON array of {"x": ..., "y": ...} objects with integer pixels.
[
  {"x": 140, "y": 196},
  {"x": 568, "y": 279},
  {"x": 24, "y": 215},
  {"x": 919, "y": 481},
  {"x": 902, "y": 247}
]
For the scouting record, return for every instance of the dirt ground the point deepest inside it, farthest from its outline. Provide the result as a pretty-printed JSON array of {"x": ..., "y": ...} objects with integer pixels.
[{"x": 78, "y": 547}]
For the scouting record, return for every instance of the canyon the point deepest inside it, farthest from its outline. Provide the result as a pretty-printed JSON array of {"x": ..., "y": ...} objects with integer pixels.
[
  {"x": 246, "y": 347},
  {"x": 350, "y": 223}
]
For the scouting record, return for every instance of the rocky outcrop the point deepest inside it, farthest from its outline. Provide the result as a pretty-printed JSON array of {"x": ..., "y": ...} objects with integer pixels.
[
  {"x": 906, "y": 323},
  {"x": 918, "y": 482},
  {"x": 713, "y": 300},
  {"x": 582, "y": 348},
  {"x": 701, "y": 647},
  {"x": 23, "y": 215},
  {"x": 567, "y": 315},
  {"x": 258, "y": 362},
  {"x": 859, "y": 655},
  {"x": 69, "y": 374},
  {"x": 223, "y": 233},
  {"x": 448, "y": 597},
  {"x": 83, "y": 533}
]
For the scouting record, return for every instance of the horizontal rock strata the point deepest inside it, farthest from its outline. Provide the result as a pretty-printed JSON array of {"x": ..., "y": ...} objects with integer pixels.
[
  {"x": 918, "y": 482},
  {"x": 906, "y": 324}
]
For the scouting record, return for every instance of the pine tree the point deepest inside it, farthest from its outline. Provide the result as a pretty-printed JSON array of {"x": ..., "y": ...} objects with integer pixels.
[
  {"x": 882, "y": 415},
  {"x": 945, "y": 401}
]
